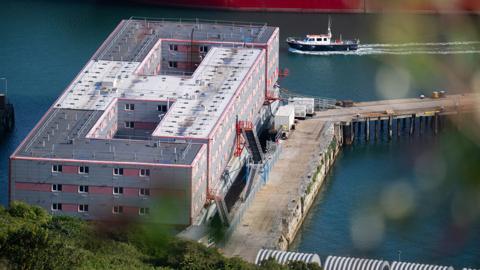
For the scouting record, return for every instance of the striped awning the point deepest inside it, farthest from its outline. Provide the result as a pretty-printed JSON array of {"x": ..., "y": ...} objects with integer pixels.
[
  {"x": 418, "y": 266},
  {"x": 348, "y": 263},
  {"x": 284, "y": 257}
]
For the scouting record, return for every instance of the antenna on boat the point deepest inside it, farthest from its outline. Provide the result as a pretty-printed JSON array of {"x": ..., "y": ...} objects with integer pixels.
[{"x": 329, "y": 26}]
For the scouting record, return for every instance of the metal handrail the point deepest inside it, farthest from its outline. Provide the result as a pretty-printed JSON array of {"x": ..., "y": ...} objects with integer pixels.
[
  {"x": 110, "y": 43},
  {"x": 199, "y": 21},
  {"x": 112, "y": 155},
  {"x": 144, "y": 47},
  {"x": 40, "y": 131}
]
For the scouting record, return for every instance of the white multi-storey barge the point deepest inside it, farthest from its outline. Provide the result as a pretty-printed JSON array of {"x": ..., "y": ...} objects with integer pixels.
[{"x": 152, "y": 117}]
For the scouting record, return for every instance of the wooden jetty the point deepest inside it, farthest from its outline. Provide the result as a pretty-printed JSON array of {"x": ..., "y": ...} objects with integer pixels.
[{"x": 402, "y": 116}]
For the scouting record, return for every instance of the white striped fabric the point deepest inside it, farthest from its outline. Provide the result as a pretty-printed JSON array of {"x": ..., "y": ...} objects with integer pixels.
[
  {"x": 418, "y": 266},
  {"x": 284, "y": 257},
  {"x": 348, "y": 263}
]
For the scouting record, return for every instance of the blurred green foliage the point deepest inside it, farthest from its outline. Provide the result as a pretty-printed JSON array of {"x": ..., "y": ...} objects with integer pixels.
[{"x": 30, "y": 238}]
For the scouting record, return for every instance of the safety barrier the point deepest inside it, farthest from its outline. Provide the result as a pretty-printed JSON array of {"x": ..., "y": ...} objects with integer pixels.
[{"x": 270, "y": 159}]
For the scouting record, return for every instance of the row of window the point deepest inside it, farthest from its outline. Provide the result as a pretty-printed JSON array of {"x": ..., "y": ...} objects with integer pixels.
[
  {"x": 116, "y": 209},
  {"x": 318, "y": 39},
  {"x": 131, "y": 107},
  {"x": 85, "y": 170},
  {"x": 201, "y": 48},
  {"x": 116, "y": 190}
]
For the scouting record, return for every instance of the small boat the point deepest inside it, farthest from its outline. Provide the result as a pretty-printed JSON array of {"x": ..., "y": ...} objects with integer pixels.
[
  {"x": 322, "y": 43},
  {"x": 7, "y": 113}
]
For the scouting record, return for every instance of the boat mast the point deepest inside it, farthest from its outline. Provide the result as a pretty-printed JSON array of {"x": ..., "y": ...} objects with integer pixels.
[{"x": 329, "y": 27}]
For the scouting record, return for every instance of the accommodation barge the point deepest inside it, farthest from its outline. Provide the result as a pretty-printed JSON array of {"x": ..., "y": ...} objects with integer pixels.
[{"x": 150, "y": 122}]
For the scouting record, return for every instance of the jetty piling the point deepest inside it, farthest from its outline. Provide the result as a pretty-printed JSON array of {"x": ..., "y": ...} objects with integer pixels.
[
  {"x": 367, "y": 129},
  {"x": 390, "y": 123}
]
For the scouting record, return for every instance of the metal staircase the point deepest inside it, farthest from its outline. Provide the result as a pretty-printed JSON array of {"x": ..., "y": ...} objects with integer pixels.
[
  {"x": 247, "y": 136},
  {"x": 253, "y": 144}
]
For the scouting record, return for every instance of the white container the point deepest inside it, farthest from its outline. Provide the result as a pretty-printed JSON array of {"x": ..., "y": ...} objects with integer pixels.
[
  {"x": 284, "y": 118},
  {"x": 300, "y": 111},
  {"x": 308, "y": 102}
]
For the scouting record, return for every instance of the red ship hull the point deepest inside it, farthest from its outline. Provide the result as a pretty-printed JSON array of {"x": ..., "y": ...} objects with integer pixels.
[{"x": 357, "y": 6}]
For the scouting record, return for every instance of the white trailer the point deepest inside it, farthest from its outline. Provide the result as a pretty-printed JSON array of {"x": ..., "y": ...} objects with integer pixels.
[
  {"x": 308, "y": 102},
  {"x": 284, "y": 118},
  {"x": 300, "y": 111}
]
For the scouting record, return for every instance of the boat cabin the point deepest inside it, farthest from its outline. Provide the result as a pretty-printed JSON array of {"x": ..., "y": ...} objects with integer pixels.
[{"x": 318, "y": 39}]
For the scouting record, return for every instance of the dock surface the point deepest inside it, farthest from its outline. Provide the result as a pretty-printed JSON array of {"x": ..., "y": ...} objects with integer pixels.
[
  {"x": 259, "y": 226},
  {"x": 401, "y": 107}
]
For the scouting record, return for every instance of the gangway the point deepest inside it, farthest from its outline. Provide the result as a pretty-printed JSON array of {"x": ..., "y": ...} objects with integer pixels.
[
  {"x": 222, "y": 209},
  {"x": 321, "y": 103},
  {"x": 252, "y": 142},
  {"x": 253, "y": 171}
]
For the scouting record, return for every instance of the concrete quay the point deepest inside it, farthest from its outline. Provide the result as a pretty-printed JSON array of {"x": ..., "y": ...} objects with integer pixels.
[{"x": 278, "y": 209}]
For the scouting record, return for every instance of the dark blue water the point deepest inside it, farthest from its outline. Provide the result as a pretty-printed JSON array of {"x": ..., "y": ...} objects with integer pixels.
[
  {"x": 43, "y": 45},
  {"x": 357, "y": 185}
]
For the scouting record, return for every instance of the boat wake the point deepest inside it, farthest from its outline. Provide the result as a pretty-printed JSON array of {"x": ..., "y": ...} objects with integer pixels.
[{"x": 458, "y": 47}]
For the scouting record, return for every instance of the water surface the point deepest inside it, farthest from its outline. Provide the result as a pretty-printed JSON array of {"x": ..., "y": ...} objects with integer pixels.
[{"x": 44, "y": 44}]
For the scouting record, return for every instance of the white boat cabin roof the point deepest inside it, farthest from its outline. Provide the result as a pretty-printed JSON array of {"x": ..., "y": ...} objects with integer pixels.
[{"x": 317, "y": 36}]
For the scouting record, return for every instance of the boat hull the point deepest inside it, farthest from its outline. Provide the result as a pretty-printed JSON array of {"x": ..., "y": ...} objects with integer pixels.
[
  {"x": 323, "y": 48},
  {"x": 355, "y": 6}
]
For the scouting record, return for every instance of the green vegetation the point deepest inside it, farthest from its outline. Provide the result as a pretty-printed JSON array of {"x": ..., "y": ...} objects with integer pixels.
[
  {"x": 332, "y": 145},
  {"x": 30, "y": 238}
]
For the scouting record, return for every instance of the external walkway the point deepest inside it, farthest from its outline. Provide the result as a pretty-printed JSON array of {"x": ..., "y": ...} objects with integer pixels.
[{"x": 259, "y": 226}]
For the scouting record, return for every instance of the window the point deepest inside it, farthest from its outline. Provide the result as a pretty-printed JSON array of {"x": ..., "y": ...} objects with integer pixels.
[
  {"x": 325, "y": 39},
  {"x": 82, "y": 189},
  {"x": 129, "y": 124},
  {"x": 83, "y": 208},
  {"x": 57, "y": 168},
  {"x": 144, "y": 211},
  {"x": 144, "y": 172},
  {"x": 118, "y": 171},
  {"x": 56, "y": 187},
  {"x": 144, "y": 192},
  {"x": 117, "y": 209},
  {"x": 129, "y": 107},
  {"x": 173, "y": 47},
  {"x": 56, "y": 206},
  {"x": 203, "y": 49},
  {"x": 117, "y": 190},
  {"x": 83, "y": 169},
  {"x": 162, "y": 108},
  {"x": 172, "y": 64}
]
